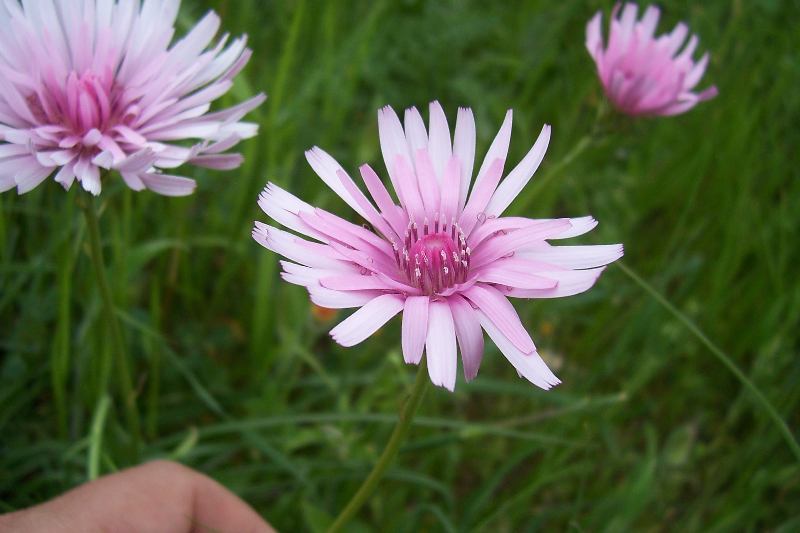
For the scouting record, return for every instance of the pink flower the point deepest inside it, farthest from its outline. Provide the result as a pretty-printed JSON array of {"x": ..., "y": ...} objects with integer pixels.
[
  {"x": 642, "y": 74},
  {"x": 87, "y": 85},
  {"x": 446, "y": 258}
]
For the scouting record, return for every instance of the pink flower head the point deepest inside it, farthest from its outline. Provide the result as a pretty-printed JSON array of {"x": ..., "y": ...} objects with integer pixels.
[
  {"x": 87, "y": 85},
  {"x": 445, "y": 257},
  {"x": 642, "y": 74}
]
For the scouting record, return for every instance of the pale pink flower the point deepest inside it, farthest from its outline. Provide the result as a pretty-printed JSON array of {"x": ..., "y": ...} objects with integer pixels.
[
  {"x": 445, "y": 257},
  {"x": 87, "y": 85},
  {"x": 643, "y": 74}
]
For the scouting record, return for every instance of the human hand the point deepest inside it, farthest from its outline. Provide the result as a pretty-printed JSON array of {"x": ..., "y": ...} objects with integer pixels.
[{"x": 156, "y": 497}]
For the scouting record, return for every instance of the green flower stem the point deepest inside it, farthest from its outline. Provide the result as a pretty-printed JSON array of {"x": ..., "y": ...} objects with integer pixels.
[
  {"x": 399, "y": 433},
  {"x": 110, "y": 316}
]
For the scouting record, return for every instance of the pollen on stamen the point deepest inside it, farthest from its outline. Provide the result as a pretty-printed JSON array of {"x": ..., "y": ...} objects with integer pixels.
[{"x": 441, "y": 256}]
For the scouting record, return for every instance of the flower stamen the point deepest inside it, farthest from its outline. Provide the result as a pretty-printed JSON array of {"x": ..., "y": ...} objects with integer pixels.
[{"x": 441, "y": 256}]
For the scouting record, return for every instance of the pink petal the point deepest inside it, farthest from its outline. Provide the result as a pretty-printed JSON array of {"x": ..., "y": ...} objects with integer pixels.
[
  {"x": 570, "y": 283},
  {"x": 451, "y": 183},
  {"x": 518, "y": 178},
  {"x": 594, "y": 35},
  {"x": 502, "y": 314},
  {"x": 578, "y": 226},
  {"x": 529, "y": 365},
  {"x": 439, "y": 144},
  {"x": 428, "y": 184},
  {"x": 140, "y": 161},
  {"x": 464, "y": 150},
  {"x": 575, "y": 257},
  {"x": 7, "y": 183},
  {"x": 514, "y": 278},
  {"x": 303, "y": 275},
  {"x": 468, "y": 333},
  {"x": 481, "y": 194},
  {"x": 504, "y": 245},
  {"x": 677, "y": 37},
  {"x": 389, "y": 210},
  {"x": 66, "y": 176},
  {"x": 284, "y": 208},
  {"x": 393, "y": 143},
  {"x": 367, "y": 260},
  {"x": 408, "y": 189},
  {"x": 353, "y": 235},
  {"x": 649, "y": 22},
  {"x": 694, "y": 76},
  {"x": 492, "y": 226},
  {"x": 370, "y": 213},
  {"x": 299, "y": 250},
  {"x": 340, "y": 300},
  {"x": 328, "y": 169},
  {"x": 416, "y": 134},
  {"x": 88, "y": 175},
  {"x": 415, "y": 328},
  {"x": 498, "y": 148},
  {"x": 133, "y": 181},
  {"x": 168, "y": 185},
  {"x": 354, "y": 282},
  {"x": 31, "y": 178},
  {"x": 218, "y": 162},
  {"x": 440, "y": 346},
  {"x": 367, "y": 320},
  {"x": 628, "y": 20},
  {"x": 688, "y": 50}
]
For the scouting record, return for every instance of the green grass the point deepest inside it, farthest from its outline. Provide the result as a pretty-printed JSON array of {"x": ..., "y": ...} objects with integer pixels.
[{"x": 236, "y": 378}]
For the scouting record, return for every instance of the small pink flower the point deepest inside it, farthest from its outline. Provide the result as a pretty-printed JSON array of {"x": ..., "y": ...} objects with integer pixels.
[
  {"x": 642, "y": 74},
  {"x": 87, "y": 85},
  {"x": 445, "y": 257}
]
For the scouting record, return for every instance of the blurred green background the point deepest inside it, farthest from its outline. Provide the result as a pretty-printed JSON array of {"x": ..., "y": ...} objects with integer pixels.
[{"x": 238, "y": 378}]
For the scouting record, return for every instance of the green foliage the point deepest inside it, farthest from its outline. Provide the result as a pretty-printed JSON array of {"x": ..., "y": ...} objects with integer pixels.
[{"x": 237, "y": 378}]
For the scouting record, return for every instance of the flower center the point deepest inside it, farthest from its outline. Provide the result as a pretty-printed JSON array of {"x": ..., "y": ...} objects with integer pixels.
[
  {"x": 88, "y": 100},
  {"x": 435, "y": 258},
  {"x": 87, "y": 104}
]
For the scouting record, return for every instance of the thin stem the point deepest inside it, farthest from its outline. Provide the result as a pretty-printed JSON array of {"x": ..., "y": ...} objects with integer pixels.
[
  {"x": 407, "y": 412},
  {"x": 110, "y": 315},
  {"x": 721, "y": 356},
  {"x": 96, "y": 438},
  {"x": 60, "y": 355}
]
